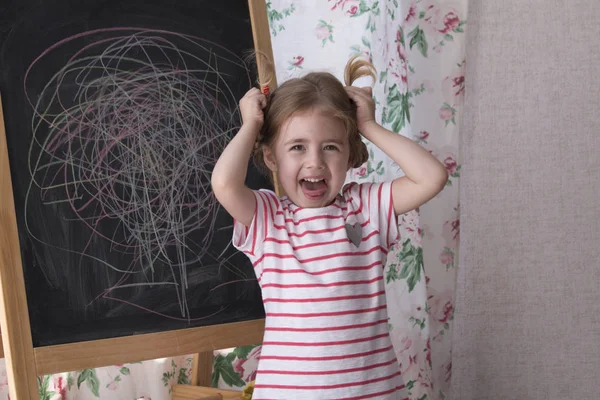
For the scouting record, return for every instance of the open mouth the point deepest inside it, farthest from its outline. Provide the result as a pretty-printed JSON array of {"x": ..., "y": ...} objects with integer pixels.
[{"x": 313, "y": 188}]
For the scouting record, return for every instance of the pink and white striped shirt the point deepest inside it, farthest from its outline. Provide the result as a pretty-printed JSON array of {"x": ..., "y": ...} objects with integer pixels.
[{"x": 326, "y": 333}]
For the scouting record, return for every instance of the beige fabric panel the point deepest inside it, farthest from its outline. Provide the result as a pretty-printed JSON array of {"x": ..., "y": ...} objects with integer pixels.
[{"x": 527, "y": 321}]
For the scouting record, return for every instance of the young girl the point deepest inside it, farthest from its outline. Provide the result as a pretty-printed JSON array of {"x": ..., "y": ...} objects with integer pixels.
[{"x": 319, "y": 251}]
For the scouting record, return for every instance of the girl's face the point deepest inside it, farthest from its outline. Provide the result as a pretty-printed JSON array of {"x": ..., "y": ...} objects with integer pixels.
[{"x": 310, "y": 156}]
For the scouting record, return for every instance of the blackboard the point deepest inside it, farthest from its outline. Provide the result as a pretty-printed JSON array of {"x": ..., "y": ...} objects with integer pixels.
[{"x": 115, "y": 112}]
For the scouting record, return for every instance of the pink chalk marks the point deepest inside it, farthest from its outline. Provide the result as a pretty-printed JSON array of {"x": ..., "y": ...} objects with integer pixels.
[{"x": 126, "y": 133}]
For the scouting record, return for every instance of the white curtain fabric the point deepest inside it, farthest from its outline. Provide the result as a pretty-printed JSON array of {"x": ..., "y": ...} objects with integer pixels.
[{"x": 418, "y": 50}]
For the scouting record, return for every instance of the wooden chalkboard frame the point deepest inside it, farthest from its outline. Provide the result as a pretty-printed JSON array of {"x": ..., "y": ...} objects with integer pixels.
[{"x": 25, "y": 363}]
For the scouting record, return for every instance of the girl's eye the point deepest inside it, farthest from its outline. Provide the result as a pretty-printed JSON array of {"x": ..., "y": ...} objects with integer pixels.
[
  {"x": 330, "y": 147},
  {"x": 297, "y": 147}
]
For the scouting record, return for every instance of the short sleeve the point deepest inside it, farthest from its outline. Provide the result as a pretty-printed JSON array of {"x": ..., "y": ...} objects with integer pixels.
[
  {"x": 375, "y": 203},
  {"x": 249, "y": 240}
]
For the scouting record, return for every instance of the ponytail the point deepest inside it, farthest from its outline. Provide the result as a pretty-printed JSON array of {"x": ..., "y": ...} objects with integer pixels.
[{"x": 358, "y": 67}]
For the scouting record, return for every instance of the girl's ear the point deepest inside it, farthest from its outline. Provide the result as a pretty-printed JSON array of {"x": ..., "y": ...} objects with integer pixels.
[{"x": 269, "y": 158}]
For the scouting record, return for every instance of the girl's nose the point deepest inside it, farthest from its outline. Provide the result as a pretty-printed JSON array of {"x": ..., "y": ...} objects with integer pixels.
[{"x": 316, "y": 159}]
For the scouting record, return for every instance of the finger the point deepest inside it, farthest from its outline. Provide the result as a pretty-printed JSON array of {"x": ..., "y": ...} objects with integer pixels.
[
  {"x": 262, "y": 100},
  {"x": 353, "y": 92},
  {"x": 358, "y": 96},
  {"x": 359, "y": 91}
]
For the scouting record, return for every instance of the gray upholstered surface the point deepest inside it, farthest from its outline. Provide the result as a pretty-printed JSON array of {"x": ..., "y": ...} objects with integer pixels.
[{"x": 527, "y": 322}]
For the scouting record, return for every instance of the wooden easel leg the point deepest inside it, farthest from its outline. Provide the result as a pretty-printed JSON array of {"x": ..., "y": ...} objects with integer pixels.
[
  {"x": 14, "y": 315},
  {"x": 202, "y": 368}
]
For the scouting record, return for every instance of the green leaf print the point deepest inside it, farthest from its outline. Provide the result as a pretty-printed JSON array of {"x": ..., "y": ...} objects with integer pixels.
[
  {"x": 383, "y": 76},
  {"x": 275, "y": 16},
  {"x": 70, "y": 382},
  {"x": 125, "y": 371},
  {"x": 417, "y": 38},
  {"x": 242, "y": 352},
  {"x": 166, "y": 377},
  {"x": 91, "y": 379},
  {"x": 224, "y": 368},
  {"x": 379, "y": 169},
  {"x": 43, "y": 390},
  {"x": 417, "y": 322},
  {"x": 182, "y": 378},
  {"x": 391, "y": 274},
  {"x": 397, "y": 111},
  {"x": 459, "y": 28},
  {"x": 412, "y": 264},
  {"x": 214, "y": 377}
]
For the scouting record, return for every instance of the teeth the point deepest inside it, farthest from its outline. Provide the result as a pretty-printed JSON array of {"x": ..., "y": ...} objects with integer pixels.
[{"x": 313, "y": 180}]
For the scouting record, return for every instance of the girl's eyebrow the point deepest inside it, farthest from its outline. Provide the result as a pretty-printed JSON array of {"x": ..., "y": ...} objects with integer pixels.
[
  {"x": 301, "y": 140},
  {"x": 298, "y": 140}
]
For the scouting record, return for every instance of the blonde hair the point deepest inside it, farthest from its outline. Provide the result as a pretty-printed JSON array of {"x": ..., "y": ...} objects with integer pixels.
[{"x": 316, "y": 89}]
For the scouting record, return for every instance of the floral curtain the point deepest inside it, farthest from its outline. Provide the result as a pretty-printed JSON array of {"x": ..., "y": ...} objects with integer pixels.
[{"x": 418, "y": 49}]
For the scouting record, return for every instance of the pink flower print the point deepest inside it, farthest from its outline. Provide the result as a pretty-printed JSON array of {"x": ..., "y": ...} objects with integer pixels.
[
  {"x": 296, "y": 63},
  {"x": 451, "y": 21},
  {"x": 407, "y": 363},
  {"x": 252, "y": 376},
  {"x": 441, "y": 307},
  {"x": 410, "y": 227},
  {"x": 247, "y": 367},
  {"x": 406, "y": 343},
  {"x": 255, "y": 353},
  {"x": 253, "y": 358},
  {"x": 353, "y": 6},
  {"x": 428, "y": 357},
  {"x": 446, "y": 114},
  {"x": 362, "y": 172},
  {"x": 60, "y": 386},
  {"x": 440, "y": 20},
  {"x": 112, "y": 386},
  {"x": 447, "y": 258},
  {"x": 399, "y": 47},
  {"x": 298, "y": 60},
  {"x": 412, "y": 12},
  {"x": 448, "y": 370},
  {"x": 458, "y": 83},
  {"x": 238, "y": 366},
  {"x": 322, "y": 32},
  {"x": 453, "y": 86},
  {"x": 451, "y": 165},
  {"x": 432, "y": 17},
  {"x": 451, "y": 231},
  {"x": 341, "y": 3},
  {"x": 423, "y": 136}
]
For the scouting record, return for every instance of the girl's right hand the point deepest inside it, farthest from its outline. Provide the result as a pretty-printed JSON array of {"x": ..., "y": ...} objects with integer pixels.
[{"x": 251, "y": 107}]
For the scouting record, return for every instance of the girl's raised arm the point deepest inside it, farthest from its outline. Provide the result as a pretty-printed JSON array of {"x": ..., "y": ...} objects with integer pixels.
[
  {"x": 229, "y": 175},
  {"x": 425, "y": 175}
]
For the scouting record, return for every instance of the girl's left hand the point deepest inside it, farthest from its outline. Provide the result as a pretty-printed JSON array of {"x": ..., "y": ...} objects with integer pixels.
[{"x": 365, "y": 106}]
